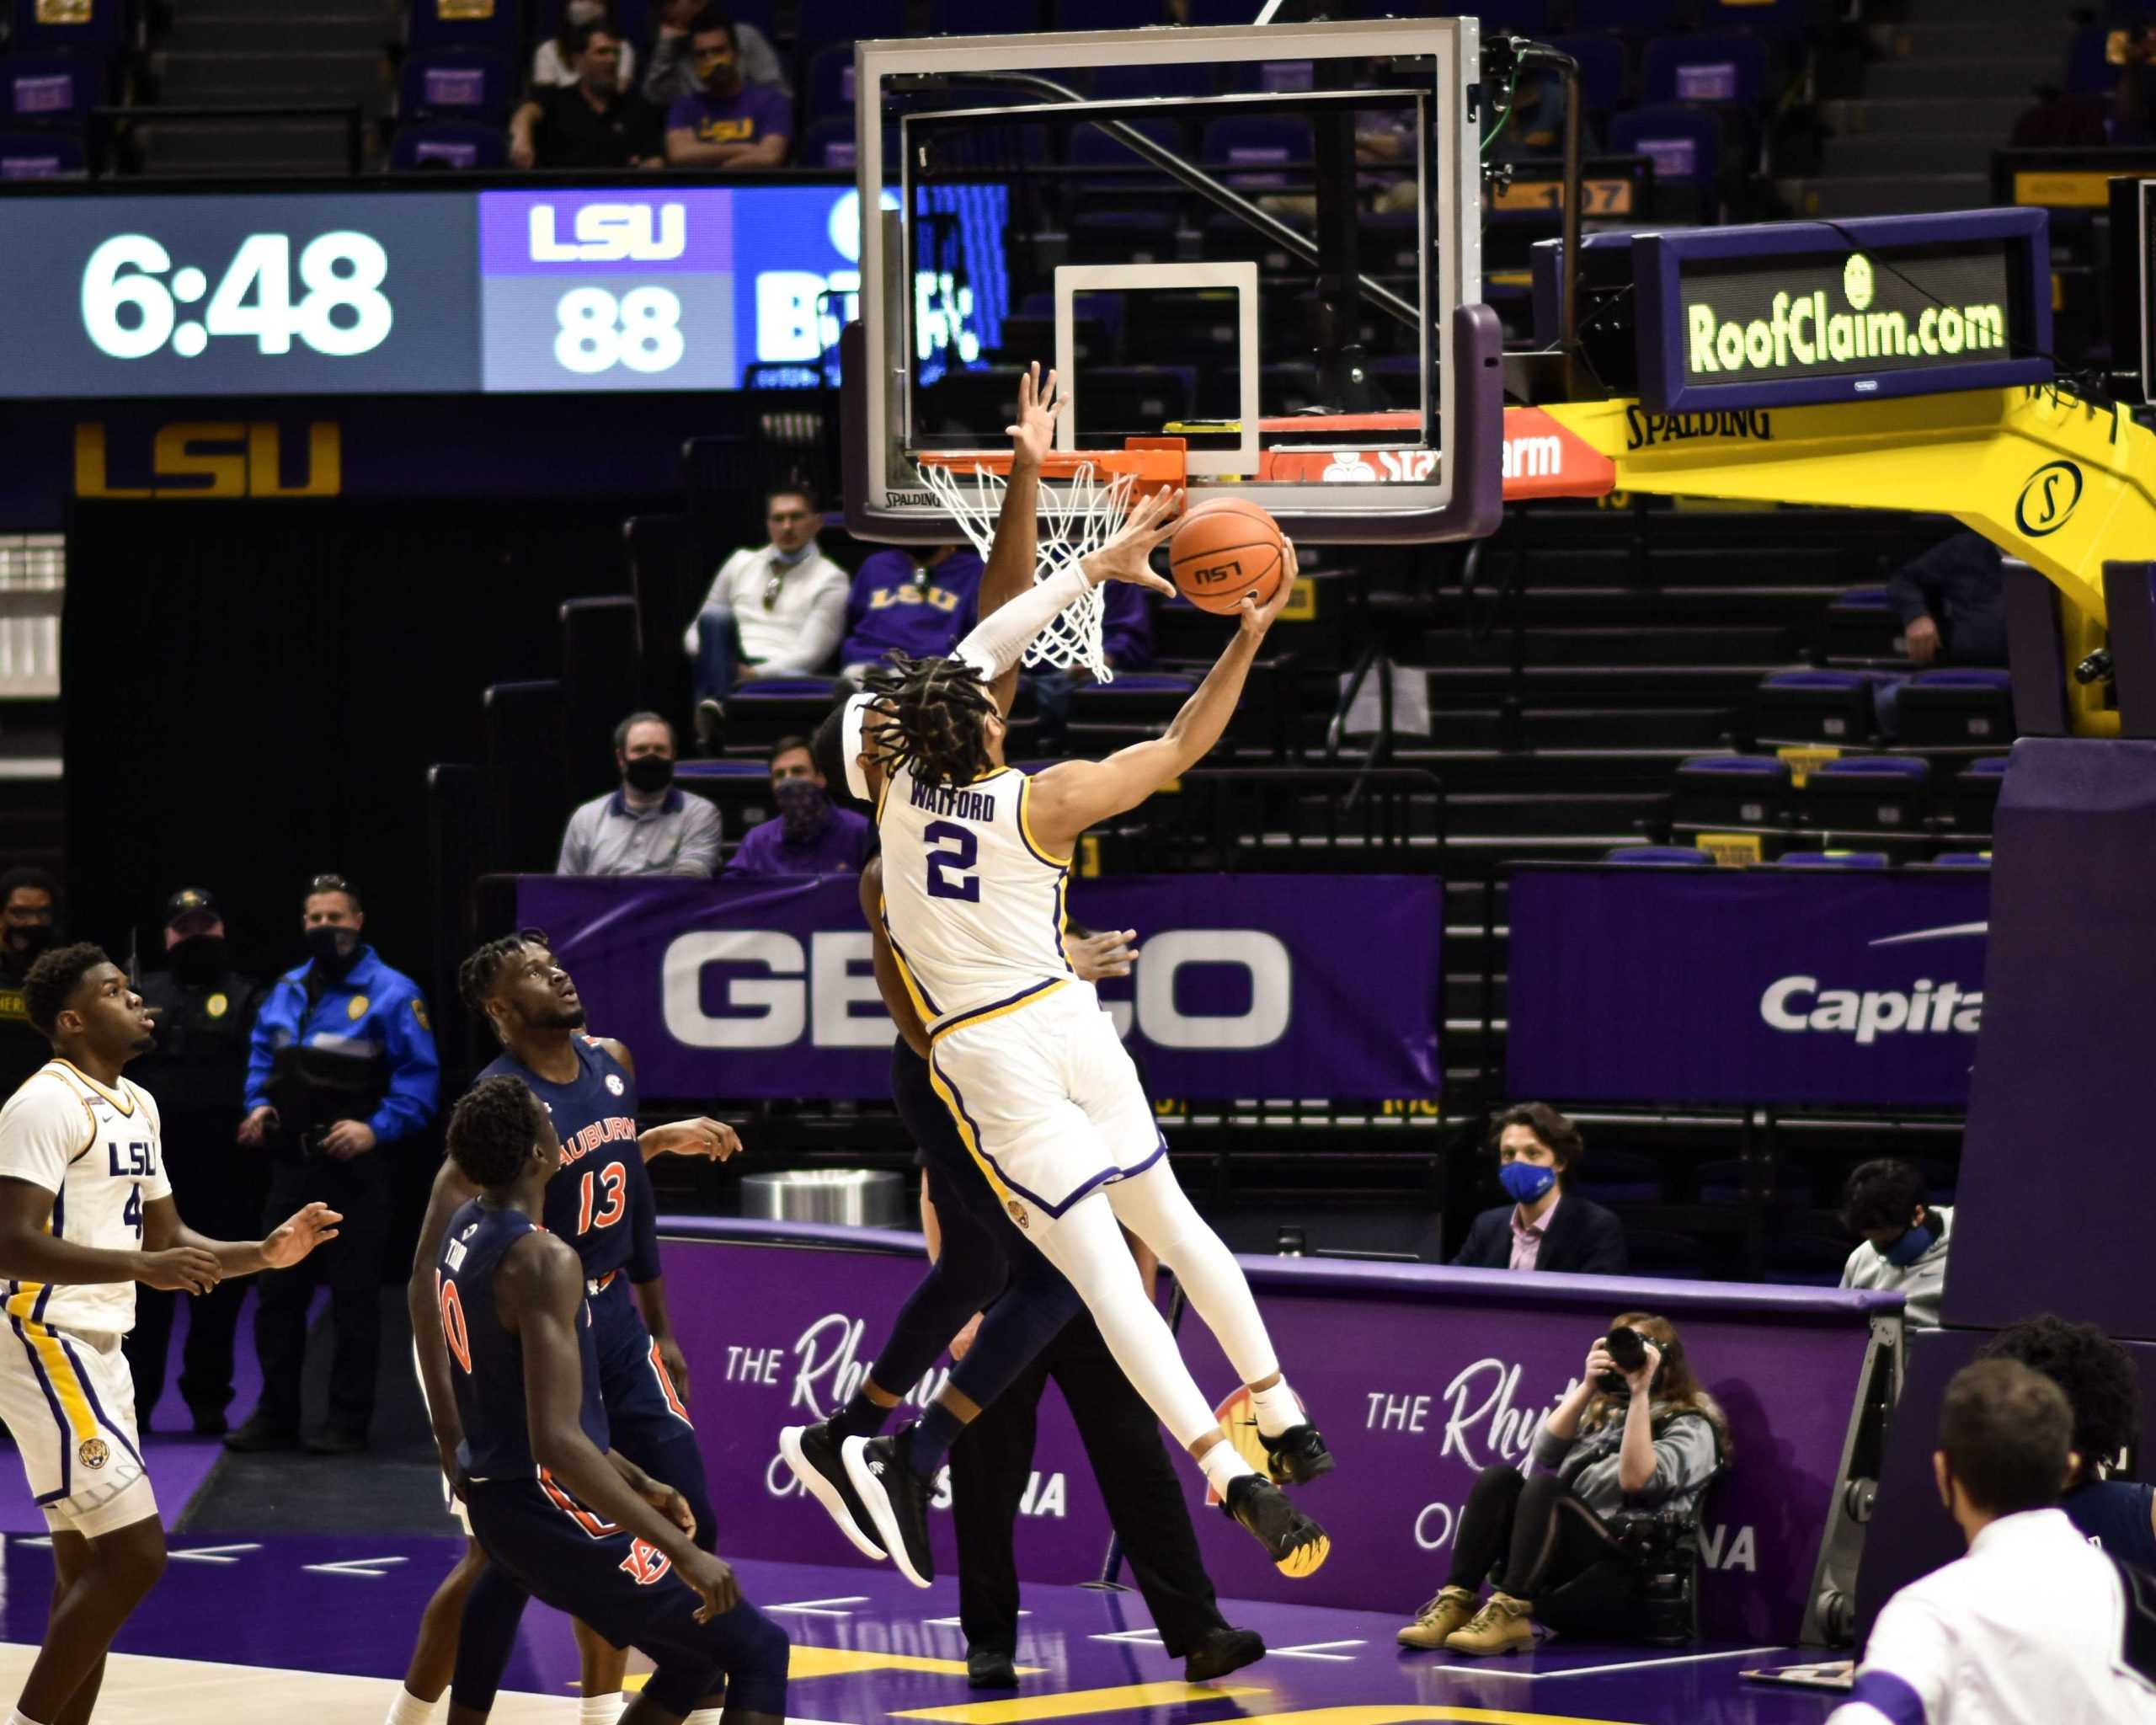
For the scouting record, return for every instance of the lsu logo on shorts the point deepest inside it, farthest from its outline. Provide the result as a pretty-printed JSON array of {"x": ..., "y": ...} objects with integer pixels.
[
  {"x": 91, "y": 1452},
  {"x": 1018, "y": 1214}
]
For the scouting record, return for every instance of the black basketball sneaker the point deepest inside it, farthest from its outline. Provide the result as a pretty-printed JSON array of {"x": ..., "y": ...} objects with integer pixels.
[
  {"x": 1297, "y": 1545},
  {"x": 882, "y": 1471},
  {"x": 812, "y": 1451},
  {"x": 1297, "y": 1457}
]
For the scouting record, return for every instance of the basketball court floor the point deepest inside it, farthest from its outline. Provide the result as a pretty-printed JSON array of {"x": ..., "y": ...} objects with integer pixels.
[{"x": 318, "y": 1626}]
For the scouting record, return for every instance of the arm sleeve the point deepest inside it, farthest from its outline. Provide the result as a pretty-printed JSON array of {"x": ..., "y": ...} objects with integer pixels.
[
  {"x": 1907, "y": 1668},
  {"x": 415, "y": 1072},
  {"x": 260, "y": 1053},
  {"x": 717, "y": 592},
  {"x": 698, "y": 856},
  {"x": 1909, "y": 588},
  {"x": 1127, "y": 627},
  {"x": 576, "y": 847},
  {"x": 1685, "y": 1456},
  {"x": 999, "y": 642},
  {"x": 822, "y": 628},
  {"x": 1549, "y": 1448},
  {"x": 666, "y": 53},
  {"x": 42, "y": 1129},
  {"x": 1603, "y": 1253},
  {"x": 760, "y": 61},
  {"x": 752, "y": 855},
  {"x": 643, "y": 1224}
]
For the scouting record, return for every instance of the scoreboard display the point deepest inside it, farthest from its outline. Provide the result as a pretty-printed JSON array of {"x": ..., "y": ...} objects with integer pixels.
[{"x": 634, "y": 287}]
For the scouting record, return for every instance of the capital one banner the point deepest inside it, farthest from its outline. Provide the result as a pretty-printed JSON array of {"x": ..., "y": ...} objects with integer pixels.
[
  {"x": 1246, "y": 985},
  {"x": 1419, "y": 1377},
  {"x": 1745, "y": 986}
]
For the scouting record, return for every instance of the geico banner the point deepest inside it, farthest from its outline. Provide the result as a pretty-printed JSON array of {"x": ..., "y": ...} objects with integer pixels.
[
  {"x": 1248, "y": 985},
  {"x": 819, "y": 1307},
  {"x": 1420, "y": 1377},
  {"x": 1727, "y": 986}
]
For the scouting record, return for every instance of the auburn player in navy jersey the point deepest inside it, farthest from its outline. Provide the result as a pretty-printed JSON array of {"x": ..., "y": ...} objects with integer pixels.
[
  {"x": 559, "y": 1513},
  {"x": 600, "y": 1202}
]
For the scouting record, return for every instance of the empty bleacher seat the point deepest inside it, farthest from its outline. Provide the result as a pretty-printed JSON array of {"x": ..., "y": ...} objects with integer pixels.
[
  {"x": 1867, "y": 794},
  {"x": 51, "y": 154},
  {"x": 459, "y": 24},
  {"x": 1976, "y": 794},
  {"x": 821, "y": 21},
  {"x": 1955, "y": 709},
  {"x": 1813, "y": 706},
  {"x": 1256, "y": 141},
  {"x": 1725, "y": 66},
  {"x": 460, "y": 144},
  {"x": 99, "y": 27},
  {"x": 1861, "y": 624},
  {"x": 1620, "y": 1177},
  {"x": 1137, "y": 705},
  {"x": 758, "y": 714},
  {"x": 829, "y": 83},
  {"x": 1730, "y": 790},
  {"x": 1603, "y": 70},
  {"x": 739, "y": 789},
  {"x": 1659, "y": 855},
  {"x": 1683, "y": 143},
  {"x": 1833, "y": 859},
  {"x": 457, "y": 83},
  {"x": 39, "y": 90},
  {"x": 1961, "y": 859}
]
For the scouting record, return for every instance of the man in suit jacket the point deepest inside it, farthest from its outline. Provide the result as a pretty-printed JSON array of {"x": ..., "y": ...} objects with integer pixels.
[{"x": 1544, "y": 1227}]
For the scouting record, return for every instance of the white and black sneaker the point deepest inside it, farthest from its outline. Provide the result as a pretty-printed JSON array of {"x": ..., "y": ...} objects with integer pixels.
[
  {"x": 882, "y": 1471},
  {"x": 812, "y": 1451}
]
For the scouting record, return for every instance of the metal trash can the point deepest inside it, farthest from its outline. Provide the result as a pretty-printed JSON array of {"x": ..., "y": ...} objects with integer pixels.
[{"x": 855, "y": 1197}]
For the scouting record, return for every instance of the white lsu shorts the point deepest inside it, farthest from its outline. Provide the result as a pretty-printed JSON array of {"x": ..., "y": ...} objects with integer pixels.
[
  {"x": 1048, "y": 1103},
  {"x": 69, "y": 1400}
]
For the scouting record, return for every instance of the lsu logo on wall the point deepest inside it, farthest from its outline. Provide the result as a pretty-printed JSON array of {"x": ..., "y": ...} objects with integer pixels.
[{"x": 213, "y": 458}]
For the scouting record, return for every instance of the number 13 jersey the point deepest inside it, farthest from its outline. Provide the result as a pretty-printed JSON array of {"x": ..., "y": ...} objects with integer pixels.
[
  {"x": 973, "y": 904},
  {"x": 98, "y": 1153}
]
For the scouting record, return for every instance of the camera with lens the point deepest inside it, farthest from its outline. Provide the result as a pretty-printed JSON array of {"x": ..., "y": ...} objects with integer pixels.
[{"x": 1628, "y": 1348}]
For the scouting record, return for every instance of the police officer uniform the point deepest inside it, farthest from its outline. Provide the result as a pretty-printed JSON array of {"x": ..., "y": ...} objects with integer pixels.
[
  {"x": 326, "y": 1047},
  {"x": 198, "y": 1072}
]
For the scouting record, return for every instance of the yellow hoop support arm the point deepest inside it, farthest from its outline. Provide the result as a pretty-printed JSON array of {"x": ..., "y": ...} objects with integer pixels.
[{"x": 2059, "y": 482}]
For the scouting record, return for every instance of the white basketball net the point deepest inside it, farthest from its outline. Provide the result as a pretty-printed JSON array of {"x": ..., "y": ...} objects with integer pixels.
[{"x": 1077, "y": 516}]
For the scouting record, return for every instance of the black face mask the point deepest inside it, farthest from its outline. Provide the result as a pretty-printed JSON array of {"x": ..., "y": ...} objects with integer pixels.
[
  {"x": 335, "y": 949},
  {"x": 201, "y": 957},
  {"x": 647, "y": 774}
]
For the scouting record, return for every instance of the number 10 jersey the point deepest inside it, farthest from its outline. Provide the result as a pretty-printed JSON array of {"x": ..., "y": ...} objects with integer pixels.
[{"x": 972, "y": 904}]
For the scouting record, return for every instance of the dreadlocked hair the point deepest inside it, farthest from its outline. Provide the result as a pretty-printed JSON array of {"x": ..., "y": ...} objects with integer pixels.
[
  {"x": 475, "y": 976},
  {"x": 933, "y": 712}
]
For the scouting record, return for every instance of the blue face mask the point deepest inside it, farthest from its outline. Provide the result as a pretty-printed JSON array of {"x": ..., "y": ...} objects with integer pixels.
[
  {"x": 1907, "y": 1250},
  {"x": 1525, "y": 1182}
]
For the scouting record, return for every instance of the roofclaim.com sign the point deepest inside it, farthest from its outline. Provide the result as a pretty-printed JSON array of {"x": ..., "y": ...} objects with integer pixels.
[{"x": 1746, "y": 319}]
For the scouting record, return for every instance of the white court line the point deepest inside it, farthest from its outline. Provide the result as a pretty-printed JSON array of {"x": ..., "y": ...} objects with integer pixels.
[
  {"x": 1487, "y": 1670},
  {"x": 817, "y": 1608},
  {"x": 1316, "y": 1650},
  {"x": 354, "y": 1566},
  {"x": 950, "y": 1622},
  {"x": 1143, "y": 1638},
  {"x": 210, "y": 1554}
]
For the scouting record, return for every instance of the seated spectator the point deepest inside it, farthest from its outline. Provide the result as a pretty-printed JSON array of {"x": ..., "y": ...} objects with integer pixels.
[
  {"x": 2098, "y": 1377},
  {"x": 592, "y": 123},
  {"x": 2032, "y": 1624},
  {"x": 1952, "y": 603},
  {"x": 1904, "y": 1238},
  {"x": 811, "y": 835},
  {"x": 1619, "y": 1442},
  {"x": 915, "y": 601},
  {"x": 672, "y": 74},
  {"x": 776, "y": 611},
  {"x": 30, "y": 922},
  {"x": 1544, "y": 1227},
  {"x": 649, "y": 826},
  {"x": 728, "y": 122},
  {"x": 554, "y": 64}
]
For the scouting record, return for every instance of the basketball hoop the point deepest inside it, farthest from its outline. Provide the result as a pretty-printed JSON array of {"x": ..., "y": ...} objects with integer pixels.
[{"x": 1080, "y": 512}]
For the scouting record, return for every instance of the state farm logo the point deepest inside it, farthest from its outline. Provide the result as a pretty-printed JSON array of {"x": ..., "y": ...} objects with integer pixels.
[{"x": 610, "y": 233}]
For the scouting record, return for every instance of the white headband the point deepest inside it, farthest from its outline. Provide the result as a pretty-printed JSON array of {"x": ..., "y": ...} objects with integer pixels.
[{"x": 850, "y": 739}]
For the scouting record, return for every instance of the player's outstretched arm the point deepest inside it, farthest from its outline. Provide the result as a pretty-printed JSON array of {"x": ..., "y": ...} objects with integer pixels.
[
  {"x": 280, "y": 1248},
  {"x": 423, "y": 1302},
  {"x": 1014, "y": 552},
  {"x": 539, "y": 1296},
  {"x": 1066, "y": 799},
  {"x": 888, "y": 983},
  {"x": 28, "y": 1253}
]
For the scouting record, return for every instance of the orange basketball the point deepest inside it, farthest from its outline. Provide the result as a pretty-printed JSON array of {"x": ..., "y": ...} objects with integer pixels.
[{"x": 1224, "y": 549}]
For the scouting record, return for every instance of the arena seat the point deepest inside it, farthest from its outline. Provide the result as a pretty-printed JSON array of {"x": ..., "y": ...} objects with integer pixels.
[
  {"x": 1860, "y": 624},
  {"x": 758, "y": 714},
  {"x": 1604, "y": 70},
  {"x": 1620, "y": 1177},
  {"x": 818, "y": 22},
  {"x": 1640, "y": 16},
  {"x": 1976, "y": 794},
  {"x": 739, "y": 788},
  {"x": 44, "y": 88},
  {"x": 1659, "y": 855},
  {"x": 828, "y": 88},
  {"x": 1961, "y": 859},
  {"x": 1137, "y": 705},
  {"x": 1725, "y": 67},
  {"x": 827, "y": 143},
  {"x": 53, "y": 153},
  {"x": 459, "y": 144},
  {"x": 457, "y": 83},
  {"x": 528, "y": 785},
  {"x": 1867, "y": 793},
  {"x": 1813, "y": 706},
  {"x": 1683, "y": 143},
  {"x": 100, "y": 27},
  {"x": 1833, "y": 859},
  {"x": 1957, "y": 708},
  {"x": 602, "y": 678},
  {"x": 437, "y": 24},
  {"x": 1730, "y": 790}
]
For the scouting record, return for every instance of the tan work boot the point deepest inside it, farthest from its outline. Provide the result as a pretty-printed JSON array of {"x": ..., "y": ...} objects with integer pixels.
[
  {"x": 1500, "y": 1626},
  {"x": 1452, "y": 1609}
]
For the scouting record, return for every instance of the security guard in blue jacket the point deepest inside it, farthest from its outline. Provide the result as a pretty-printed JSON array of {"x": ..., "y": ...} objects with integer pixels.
[{"x": 342, "y": 1065}]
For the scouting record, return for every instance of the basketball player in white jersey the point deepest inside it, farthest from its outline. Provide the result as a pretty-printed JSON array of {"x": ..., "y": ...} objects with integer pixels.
[
  {"x": 86, "y": 1212},
  {"x": 976, "y": 858}
]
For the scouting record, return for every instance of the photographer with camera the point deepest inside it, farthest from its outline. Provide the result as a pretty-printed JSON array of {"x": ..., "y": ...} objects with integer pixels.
[{"x": 1619, "y": 1467}]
